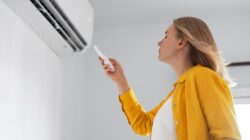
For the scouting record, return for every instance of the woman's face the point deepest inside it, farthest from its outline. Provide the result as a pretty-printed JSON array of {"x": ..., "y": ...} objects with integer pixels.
[{"x": 168, "y": 45}]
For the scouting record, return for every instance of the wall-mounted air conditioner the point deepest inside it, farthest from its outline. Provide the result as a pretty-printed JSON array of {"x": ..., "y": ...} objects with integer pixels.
[
  {"x": 66, "y": 26},
  {"x": 239, "y": 71}
]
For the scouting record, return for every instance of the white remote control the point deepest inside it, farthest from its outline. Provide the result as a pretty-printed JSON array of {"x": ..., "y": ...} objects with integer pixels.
[{"x": 105, "y": 58}]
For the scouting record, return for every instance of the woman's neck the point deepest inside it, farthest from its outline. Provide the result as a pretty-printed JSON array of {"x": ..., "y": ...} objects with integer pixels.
[{"x": 181, "y": 67}]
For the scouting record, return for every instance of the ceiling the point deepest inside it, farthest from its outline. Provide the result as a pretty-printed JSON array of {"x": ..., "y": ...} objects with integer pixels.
[{"x": 109, "y": 13}]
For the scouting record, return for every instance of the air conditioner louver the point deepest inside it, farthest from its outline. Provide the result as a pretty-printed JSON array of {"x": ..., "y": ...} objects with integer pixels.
[{"x": 51, "y": 11}]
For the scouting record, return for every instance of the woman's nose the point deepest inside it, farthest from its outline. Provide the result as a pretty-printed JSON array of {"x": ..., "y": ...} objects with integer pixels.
[{"x": 159, "y": 43}]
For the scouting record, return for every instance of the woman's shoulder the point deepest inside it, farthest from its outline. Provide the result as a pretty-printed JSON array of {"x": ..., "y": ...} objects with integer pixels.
[
  {"x": 199, "y": 69},
  {"x": 201, "y": 73}
]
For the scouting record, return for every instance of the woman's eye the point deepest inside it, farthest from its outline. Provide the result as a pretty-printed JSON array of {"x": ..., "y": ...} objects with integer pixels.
[{"x": 166, "y": 36}]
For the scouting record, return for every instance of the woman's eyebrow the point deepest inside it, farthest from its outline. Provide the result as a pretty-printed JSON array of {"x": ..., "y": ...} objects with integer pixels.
[{"x": 166, "y": 32}]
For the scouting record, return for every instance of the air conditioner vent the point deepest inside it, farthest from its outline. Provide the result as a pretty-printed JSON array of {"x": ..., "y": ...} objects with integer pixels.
[
  {"x": 70, "y": 34},
  {"x": 66, "y": 26}
]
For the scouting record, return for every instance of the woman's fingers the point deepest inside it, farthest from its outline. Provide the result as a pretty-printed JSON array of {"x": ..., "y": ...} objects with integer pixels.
[
  {"x": 112, "y": 60},
  {"x": 106, "y": 67},
  {"x": 101, "y": 60}
]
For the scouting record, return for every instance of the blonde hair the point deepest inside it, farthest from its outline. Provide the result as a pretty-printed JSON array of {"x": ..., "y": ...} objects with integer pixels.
[{"x": 203, "y": 49}]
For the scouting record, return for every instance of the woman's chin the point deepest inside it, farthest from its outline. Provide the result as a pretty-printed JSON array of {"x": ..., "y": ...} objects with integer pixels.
[
  {"x": 160, "y": 58},
  {"x": 164, "y": 60}
]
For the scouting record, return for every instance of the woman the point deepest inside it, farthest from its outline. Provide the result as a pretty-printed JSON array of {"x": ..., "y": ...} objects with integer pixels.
[{"x": 200, "y": 107}]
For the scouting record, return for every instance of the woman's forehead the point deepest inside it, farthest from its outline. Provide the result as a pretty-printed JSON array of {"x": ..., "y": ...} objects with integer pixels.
[{"x": 170, "y": 29}]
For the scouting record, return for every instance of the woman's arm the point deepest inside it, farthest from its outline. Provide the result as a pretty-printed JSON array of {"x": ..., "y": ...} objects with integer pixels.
[
  {"x": 139, "y": 120},
  {"x": 122, "y": 85},
  {"x": 218, "y": 106}
]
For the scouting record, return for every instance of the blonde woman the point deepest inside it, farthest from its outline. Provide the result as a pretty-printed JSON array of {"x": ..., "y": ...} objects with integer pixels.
[{"x": 200, "y": 106}]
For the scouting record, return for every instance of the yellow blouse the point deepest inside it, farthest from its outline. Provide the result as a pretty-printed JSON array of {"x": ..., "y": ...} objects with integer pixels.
[{"x": 203, "y": 108}]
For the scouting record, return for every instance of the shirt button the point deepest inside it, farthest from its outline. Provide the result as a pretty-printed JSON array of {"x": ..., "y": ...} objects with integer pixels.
[{"x": 176, "y": 122}]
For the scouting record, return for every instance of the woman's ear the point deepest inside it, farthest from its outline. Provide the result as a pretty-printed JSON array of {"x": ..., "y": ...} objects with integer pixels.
[{"x": 182, "y": 43}]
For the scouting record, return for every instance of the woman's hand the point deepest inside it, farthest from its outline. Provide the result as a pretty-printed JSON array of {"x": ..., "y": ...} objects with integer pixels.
[{"x": 117, "y": 76}]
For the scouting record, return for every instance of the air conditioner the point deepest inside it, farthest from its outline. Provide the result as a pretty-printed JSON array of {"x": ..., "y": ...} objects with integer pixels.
[{"x": 66, "y": 26}]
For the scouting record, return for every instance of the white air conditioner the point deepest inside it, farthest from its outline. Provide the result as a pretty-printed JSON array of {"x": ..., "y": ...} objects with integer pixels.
[{"x": 66, "y": 26}]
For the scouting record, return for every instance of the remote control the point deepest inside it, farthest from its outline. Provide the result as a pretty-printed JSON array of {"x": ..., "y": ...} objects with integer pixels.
[{"x": 105, "y": 58}]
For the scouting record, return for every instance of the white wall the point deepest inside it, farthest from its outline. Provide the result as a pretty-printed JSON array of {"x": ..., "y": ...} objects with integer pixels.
[
  {"x": 41, "y": 95},
  {"x": 73, "y": 107},
  {"x": 135, "y": 47}
]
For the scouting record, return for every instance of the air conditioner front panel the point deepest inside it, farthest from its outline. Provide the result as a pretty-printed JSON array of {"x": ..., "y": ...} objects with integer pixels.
[
  {"x": 82, "y": 15},
  {"x": 83, "y": 23},
  {"x": 44, "y": 29}
]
